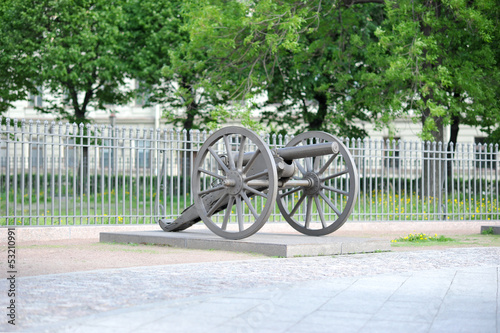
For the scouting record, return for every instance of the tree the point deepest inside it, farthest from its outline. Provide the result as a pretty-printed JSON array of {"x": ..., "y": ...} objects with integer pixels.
[
  {"x": 442, "y": 59},
  {"x": 75, "y": 50},
  {"x": 170, "y": 70},
  {"x": 435, "y": 61},
  {"x": 16, "y": 69},
  {"x": 307, "y": 57},
  {"x": 319, "y": 82}
]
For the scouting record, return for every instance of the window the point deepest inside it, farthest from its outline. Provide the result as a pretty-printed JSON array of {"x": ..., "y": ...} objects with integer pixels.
[
  {"x": 143, "y": 154},
  {"x": 107, "y": 160},
  {"x": 485, "y": 157},
  {"x": 391, "y": 153},
  {"x": 142, "y": 95},
  {"x": 3, "y": 153},
  {"x": 37, "y": 154},
  {"x": 71, "y": 153},
  {"x": 36, "y": 100}
]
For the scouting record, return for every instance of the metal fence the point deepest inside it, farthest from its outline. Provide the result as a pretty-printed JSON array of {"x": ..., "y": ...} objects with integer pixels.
[{"x": 64, "y": 174}]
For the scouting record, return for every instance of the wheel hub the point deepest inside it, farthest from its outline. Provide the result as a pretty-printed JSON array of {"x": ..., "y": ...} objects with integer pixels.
[
  {"x": 315, "y": 182},
  {"x": 233, "y": 182}
]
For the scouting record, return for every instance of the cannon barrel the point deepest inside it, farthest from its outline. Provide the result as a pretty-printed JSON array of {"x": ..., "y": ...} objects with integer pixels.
[
  {"x": 291, "y": 153},
  {"x": 320, "y": 149}
]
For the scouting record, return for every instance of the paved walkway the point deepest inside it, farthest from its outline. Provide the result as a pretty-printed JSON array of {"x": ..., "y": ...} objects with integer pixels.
[{"x": 455, "y": 290}]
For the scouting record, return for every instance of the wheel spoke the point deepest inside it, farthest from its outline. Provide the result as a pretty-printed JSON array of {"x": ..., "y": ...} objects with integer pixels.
[
  {"x": 228, "y": 212},
  {"x": 256, "y": 176},
  {"x": 242, "y": 152},
  {"x": 309, "y": 167},
  {"x": 297, "y": 205},
  {"x": 212, "y": 189},
  {"x": 335, "y": 175},
  {"x": 219, "y": 161},
  {"x": 308, "y": 211},
  {"x": 307, "y": 160},
  {"x": 299, "y": 166},
  {"x": 335, "y": 190},
  {"x": 251, "y": 161},
  {"x": 320, "y": 211},
  {"x": 210, "y": 173},
  {"x": 292, "y": 191},
  {"x": 229, "y": 153},
  {"x": 217, "y": 204},
  {"x": 239, "y": 212},
  {"x": 327, "y": 164},
  {"x": 329, "y": 203},
  {"x": 254, "y": 191},
  {"x": 249, "y": 204}
]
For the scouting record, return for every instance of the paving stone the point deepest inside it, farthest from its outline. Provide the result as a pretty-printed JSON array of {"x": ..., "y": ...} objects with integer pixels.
[
  {"x": 388, "y": 326},
  {"x": 459, "y": 325},
  {"x": 332, "y": 321},
  {"x": 409, "y": 310}
]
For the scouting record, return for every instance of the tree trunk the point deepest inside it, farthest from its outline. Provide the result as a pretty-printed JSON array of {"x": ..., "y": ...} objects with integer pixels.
[
  {"x": 434, "y": 162},
  {"x": 84, "y": 165},
  {"x": 192, "y": 109},
  {"x": 316, "y": 120},
  {"x": 452, "y": 145}
]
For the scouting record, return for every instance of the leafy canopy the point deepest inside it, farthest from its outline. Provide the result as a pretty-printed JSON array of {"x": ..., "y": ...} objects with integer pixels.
[{"x": 73, "y": 49}]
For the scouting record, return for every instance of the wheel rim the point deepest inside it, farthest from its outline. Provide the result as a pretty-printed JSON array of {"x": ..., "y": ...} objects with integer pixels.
[
  {"x": 326, "y": 205},
  {"x": 222, "y": 170}
]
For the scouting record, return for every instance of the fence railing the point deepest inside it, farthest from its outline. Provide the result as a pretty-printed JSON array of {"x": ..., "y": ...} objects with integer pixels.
[{"x": 64, "y": 174}]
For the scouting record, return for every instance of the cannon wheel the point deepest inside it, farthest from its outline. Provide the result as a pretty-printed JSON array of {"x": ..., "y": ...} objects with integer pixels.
[
  {"x": 335, "y": 185},
  {"x": 223, "y": 199}
]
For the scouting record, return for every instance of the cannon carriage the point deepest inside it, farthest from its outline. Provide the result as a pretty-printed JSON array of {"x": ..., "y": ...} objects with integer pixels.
[{"x": 237, "y": 181}]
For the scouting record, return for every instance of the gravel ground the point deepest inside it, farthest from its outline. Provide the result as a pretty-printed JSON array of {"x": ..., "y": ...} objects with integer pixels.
[{"x": 63, "y": 256}]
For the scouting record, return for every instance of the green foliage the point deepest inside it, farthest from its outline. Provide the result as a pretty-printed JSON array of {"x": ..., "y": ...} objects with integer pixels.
[
  {"x": 240, "y": 113},
  {"x": 75, "y": 51},
  {"x": 169, "y": 69},
  {"x": 438, "y": 63},
  {"x": 16, "y": 69},
  {"x": 322, "y": 65},
  {"x": 306, "y": 56},
  {"x": 488, "y": 231},
  {"x": 319, "y": 82}
]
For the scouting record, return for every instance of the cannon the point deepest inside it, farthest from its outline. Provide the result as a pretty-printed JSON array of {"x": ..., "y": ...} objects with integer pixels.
[{"x": 237, "y": 182}]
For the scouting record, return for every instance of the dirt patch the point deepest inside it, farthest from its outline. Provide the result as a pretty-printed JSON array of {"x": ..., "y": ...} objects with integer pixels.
[{"x": 42, "y": 258}]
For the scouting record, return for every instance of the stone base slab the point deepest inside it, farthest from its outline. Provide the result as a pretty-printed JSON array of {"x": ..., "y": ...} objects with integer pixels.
[
  {"x": 495, "y": 229},
  {"x": 270, "y": 244}
]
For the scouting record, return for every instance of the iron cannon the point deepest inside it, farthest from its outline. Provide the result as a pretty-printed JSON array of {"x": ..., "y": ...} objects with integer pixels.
[{"x": 237, "y": 182}]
